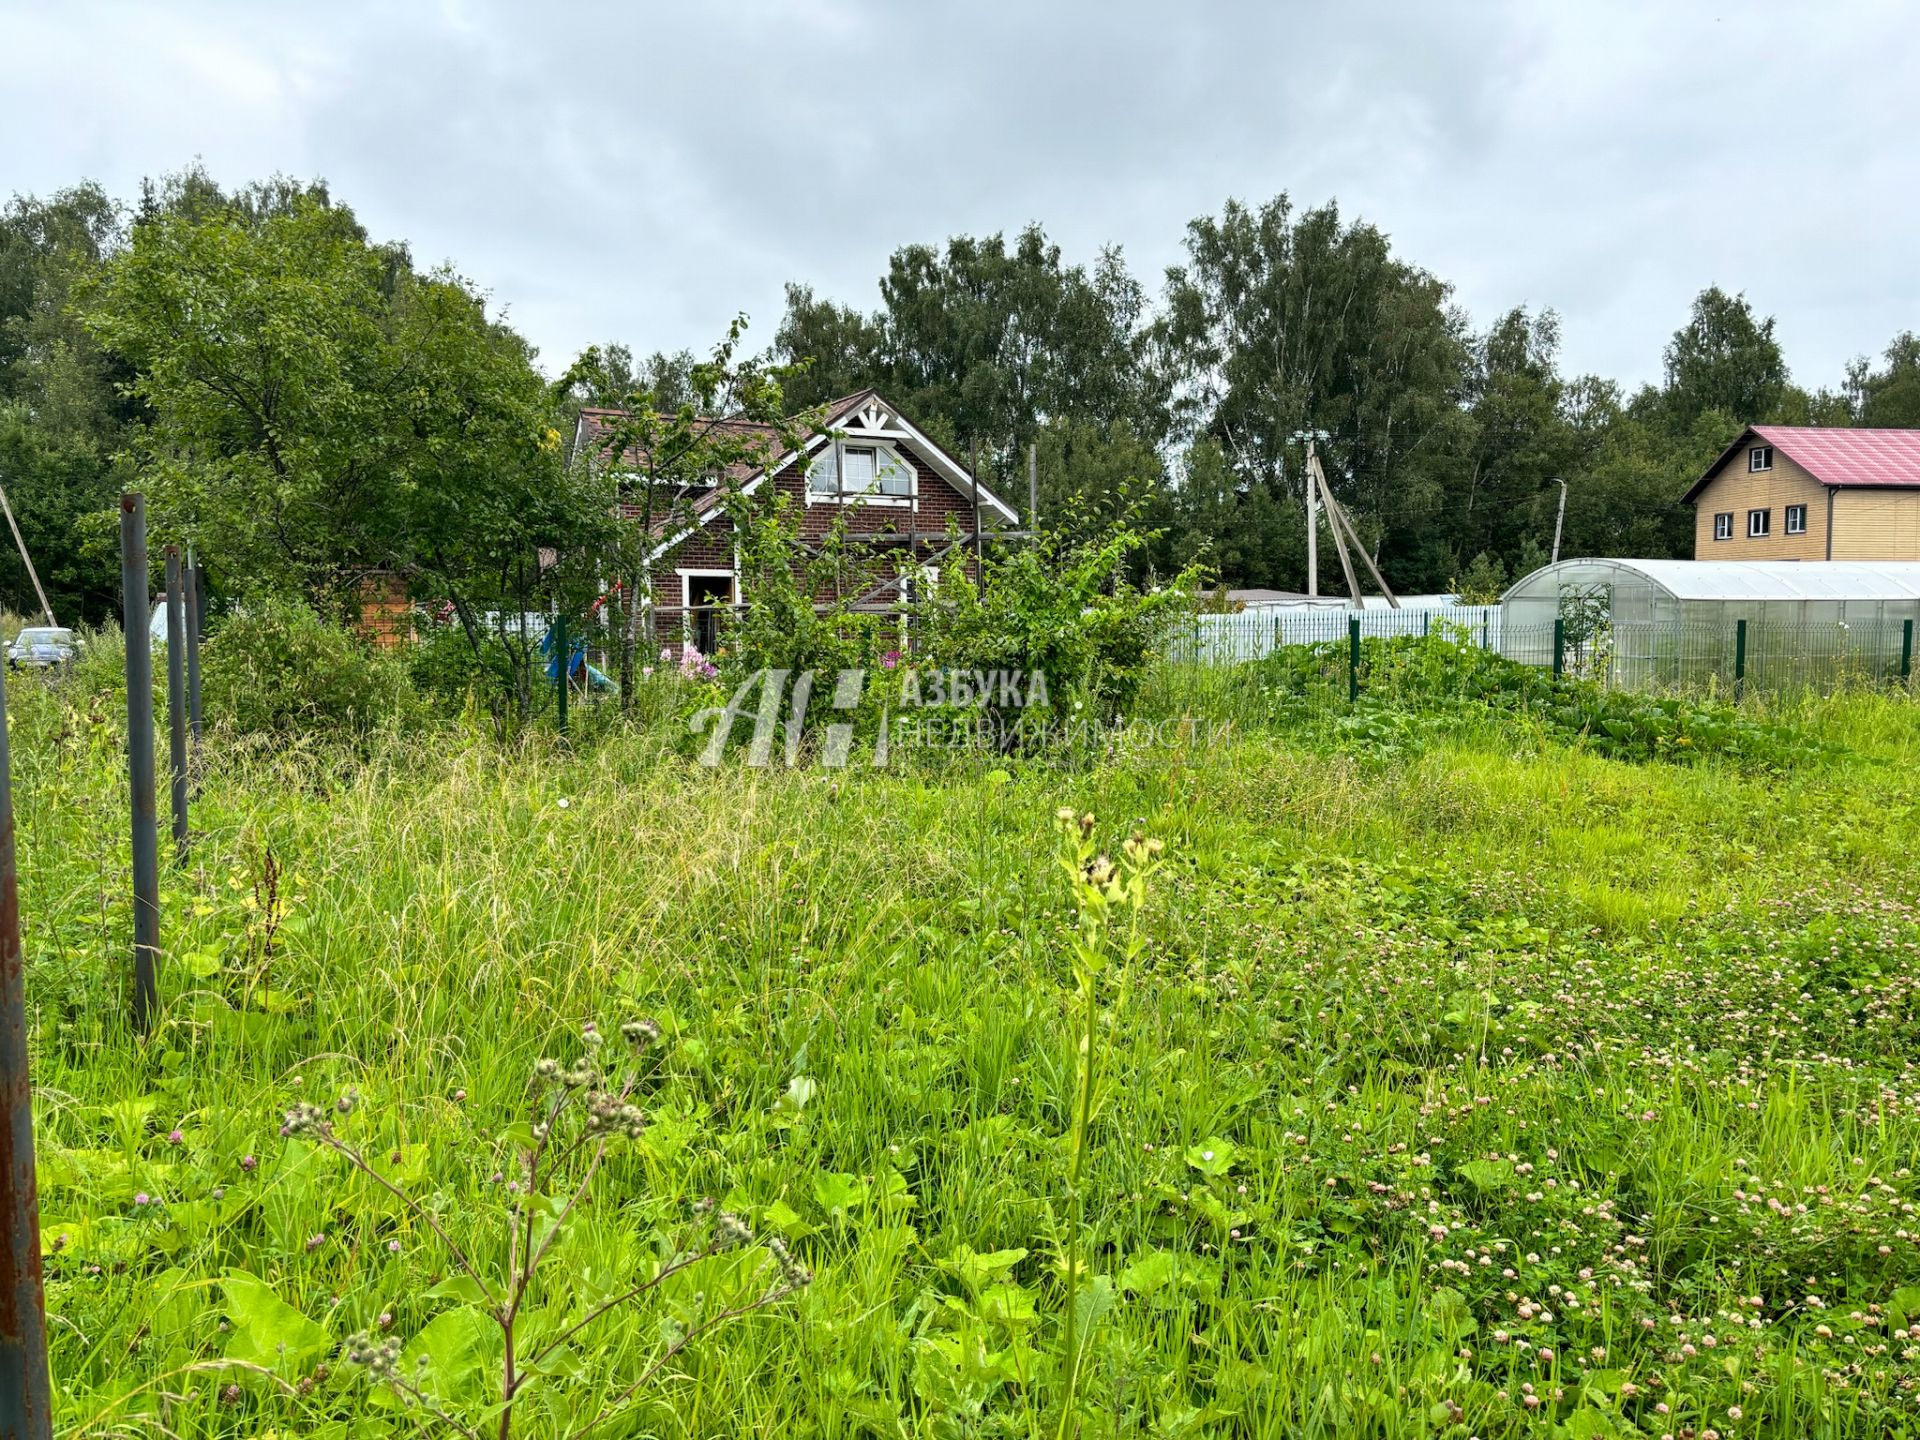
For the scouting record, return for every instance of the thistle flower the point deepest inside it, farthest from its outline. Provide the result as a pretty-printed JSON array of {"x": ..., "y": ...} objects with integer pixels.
[
  {"x": 640, "y": 1033},
  {"x": 608, "y": 1114},
  {"x": 791, "y": 1270},
  {"x": 305, "y": 1119},
  {"x": 730, "y": 1231},
  {"x": 378, "y": 1357}
]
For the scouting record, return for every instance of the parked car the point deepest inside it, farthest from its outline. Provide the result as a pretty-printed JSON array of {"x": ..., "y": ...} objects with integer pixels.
[{"x": 40, "y": 647}]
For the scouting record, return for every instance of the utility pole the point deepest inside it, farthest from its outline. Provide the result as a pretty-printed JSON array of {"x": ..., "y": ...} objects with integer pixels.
[
  {"x": 979, "y": 560},
  {"x": 1559, "y": 516},
  {"x": 26, "y": 559},
  {"x": 1033, "y": 486},
  {"x": 1312, "y": 472},
  {"x": 1345, "y": 535}
]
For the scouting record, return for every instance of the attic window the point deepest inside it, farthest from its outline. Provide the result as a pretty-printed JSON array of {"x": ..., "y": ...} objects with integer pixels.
[
  {"x": 1759, "y": 458},
  {"x": 870, "y": 470}
]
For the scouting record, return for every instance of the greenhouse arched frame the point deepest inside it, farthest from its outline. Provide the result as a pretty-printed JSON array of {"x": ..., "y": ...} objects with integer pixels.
[{"x": 1652, "y": 623}]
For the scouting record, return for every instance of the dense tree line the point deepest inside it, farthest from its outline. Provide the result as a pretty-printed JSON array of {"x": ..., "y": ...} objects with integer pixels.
[
  {"x": 309, "y": 408},
  {"x": 1443, "y": 441}
]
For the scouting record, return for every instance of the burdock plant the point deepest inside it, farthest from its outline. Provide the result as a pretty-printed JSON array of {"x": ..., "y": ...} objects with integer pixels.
[
  {"x": 578, "y": 1110},
  {"x": 1108, "y": 897}
]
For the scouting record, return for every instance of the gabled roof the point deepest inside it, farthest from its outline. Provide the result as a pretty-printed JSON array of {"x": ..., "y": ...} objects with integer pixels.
[
  {"x": 863, "y": 412},
  {"x": 596, "y": 422},
  {"x": 1832, "y": 454}
]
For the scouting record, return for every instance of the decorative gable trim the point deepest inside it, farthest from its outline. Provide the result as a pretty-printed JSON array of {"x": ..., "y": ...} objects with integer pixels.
[{"x": 865, "y": 416}]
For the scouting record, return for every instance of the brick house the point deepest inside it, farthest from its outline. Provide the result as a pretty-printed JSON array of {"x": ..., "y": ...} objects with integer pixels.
[
  {"x": 1800, "y": 492},
  {"x": 901, "y": 494}
]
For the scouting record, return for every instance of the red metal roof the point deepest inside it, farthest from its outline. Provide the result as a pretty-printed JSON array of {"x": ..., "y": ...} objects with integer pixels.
[
  {"x": 1835, "y": 455},
  {"x": 1832, "y": 454}
]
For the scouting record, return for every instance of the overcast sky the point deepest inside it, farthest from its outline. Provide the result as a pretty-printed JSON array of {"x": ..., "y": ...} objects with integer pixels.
[{"x": 641, "y": 172}]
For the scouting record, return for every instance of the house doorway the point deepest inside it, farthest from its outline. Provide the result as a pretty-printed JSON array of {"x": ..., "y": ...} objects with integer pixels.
[{"x": 709, "y": 598}]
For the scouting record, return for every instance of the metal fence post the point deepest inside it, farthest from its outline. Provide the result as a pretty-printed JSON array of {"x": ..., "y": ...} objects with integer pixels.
[
  {"x": 177, "y": 701},
  {"x": 1559, "y": 646},
  {"x": 1739, "y": 658},
  {"x": 560, "y": 665},
  {"x": 146, "y": 840},
  {"x": 194, "y": 628},
  {"x": 26, "y": 1392},
  {"x": 1353, "y": 659},
  {"x": 1906, "y": 649}
]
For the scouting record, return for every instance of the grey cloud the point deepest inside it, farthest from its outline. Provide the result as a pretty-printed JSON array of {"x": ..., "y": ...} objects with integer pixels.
[{"x": 643, "y": 172}]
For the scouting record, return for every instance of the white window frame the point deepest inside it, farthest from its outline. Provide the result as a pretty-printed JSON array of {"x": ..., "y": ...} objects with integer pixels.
[
  {"x": 916, "y": 584},
  {"x": 1796, "y": 513},
  {"x": 696, "y": 572},
  {"x": 1759, "y": 459},
  {"x": 687, "y": 577},
  {"x": 863, "y": 497},
  {"x": 1760, "y": 523},
  {"x": 1723, "y": 525}
]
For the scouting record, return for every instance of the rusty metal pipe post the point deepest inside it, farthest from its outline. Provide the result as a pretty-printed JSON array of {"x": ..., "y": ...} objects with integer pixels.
[
  {"x": 26, "y": 1393},
  {"x": 146, "y": 839},
  {"x": 177, "y": 700}
]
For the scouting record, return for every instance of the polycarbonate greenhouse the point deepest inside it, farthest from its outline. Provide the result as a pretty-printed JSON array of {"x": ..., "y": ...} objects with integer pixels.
[{"x": 1770, "y": 622}]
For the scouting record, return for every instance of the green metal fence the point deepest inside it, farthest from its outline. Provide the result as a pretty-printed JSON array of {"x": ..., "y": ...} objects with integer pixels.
[{"x": 1382, "y": 655}]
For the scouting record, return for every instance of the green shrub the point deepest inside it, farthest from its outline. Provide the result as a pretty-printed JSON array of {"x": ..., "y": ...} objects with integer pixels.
[
  {"x": 1414, "y": 686},
  {"x": 445, "y": 666},
  {"x": 1058, "y": 607},
  {"x": 276, "y": 668}
]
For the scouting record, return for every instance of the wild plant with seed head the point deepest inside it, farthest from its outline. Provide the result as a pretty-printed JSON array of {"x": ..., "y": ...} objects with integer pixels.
[
  {"x": 578, "y": 1108},
  {"x": 1108, "y": 899}
]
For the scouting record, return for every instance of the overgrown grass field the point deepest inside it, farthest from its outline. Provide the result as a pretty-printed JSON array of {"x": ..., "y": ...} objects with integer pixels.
[{"x": 1464, "y": 1081}]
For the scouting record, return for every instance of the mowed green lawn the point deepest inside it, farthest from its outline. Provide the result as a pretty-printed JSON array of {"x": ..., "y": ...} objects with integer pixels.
[{"x": 1481, "y": 1088}]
